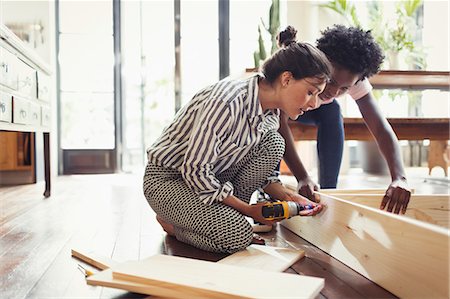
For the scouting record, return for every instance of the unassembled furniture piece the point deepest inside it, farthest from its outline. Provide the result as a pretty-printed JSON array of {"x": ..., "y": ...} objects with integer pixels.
[
  {"x": 231, "y": 277},
  {"x": 25, "y": 84},
  {"x": 405, "y": 254}
]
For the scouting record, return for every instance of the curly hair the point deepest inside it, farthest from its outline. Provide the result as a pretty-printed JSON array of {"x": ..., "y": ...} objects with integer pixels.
[{"x": 351, "y": 48}]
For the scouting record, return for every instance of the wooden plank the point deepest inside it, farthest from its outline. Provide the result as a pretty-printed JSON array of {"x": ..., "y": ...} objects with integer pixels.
[
  {"x": 433, "y": 208},
  {"x": 203, "y": 279},
  {"x": 340, "y": 280},
  {"x": 97, "y": 261},
  {"x": 265, "y": 258},
  {"x": 413, "y": 80},
  {"x": 353, "y": 191},
  {"x": 400, "y": 254},
  {"x": 260, "y": 257},
  {"x": 105, "y": 279},
  {"x": 404, "y": 128}
]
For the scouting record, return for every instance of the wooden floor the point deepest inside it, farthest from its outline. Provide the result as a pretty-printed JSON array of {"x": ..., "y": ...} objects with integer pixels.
[{"x": 109, "y": 215}]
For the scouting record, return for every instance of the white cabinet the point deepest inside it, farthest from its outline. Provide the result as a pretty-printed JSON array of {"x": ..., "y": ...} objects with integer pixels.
[{"x": 25, "y": 108}]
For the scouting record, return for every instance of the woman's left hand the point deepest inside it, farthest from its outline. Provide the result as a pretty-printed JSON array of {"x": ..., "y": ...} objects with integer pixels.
[
  {"x": 397, "y": 196},
  {"x": 314, "y": 208}
]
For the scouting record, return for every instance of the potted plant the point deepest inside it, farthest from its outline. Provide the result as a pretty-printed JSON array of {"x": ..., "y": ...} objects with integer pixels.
[
  {"x": 395, "y": 36},
  {"x": 272, "y": 28}
]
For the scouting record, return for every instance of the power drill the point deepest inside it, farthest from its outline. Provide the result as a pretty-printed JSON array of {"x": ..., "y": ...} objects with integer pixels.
[{"x": 274, "y": 210}]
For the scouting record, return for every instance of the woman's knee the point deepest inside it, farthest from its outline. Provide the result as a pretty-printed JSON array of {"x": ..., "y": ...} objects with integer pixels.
[
  {"x": 234, "y": 237},
  {"x": 273, "y": 143}
]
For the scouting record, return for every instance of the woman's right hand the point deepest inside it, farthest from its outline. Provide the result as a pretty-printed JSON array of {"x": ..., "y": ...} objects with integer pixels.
[
  {"x": 306, "y": 187},
  {"x": 255, "y": 212}
]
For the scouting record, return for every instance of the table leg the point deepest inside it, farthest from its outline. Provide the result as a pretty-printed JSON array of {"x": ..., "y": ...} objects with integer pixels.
[{"x": 47, "y": 163}]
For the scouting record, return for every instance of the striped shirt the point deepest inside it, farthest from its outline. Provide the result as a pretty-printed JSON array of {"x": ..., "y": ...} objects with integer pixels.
[{"x": 215, "y": 130}]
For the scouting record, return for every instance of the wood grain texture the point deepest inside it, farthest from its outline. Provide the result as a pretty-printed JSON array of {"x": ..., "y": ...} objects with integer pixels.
[
  {"x": 203, "y": 279},
  {"x": 97, "y": 261},
  {"x": 413, "y": 80},
  {"x": 431, "y": 208},
  {"x": 404, "y": 128},
  {"x": 264, "y": 258},
  {"x": 259, "y": 257},
  {"x": 353, "y": 191},
  {"x": 400, "y": 254}
]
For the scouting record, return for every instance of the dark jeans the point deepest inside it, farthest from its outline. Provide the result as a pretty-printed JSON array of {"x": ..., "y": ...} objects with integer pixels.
[{"x": 330, "y": 141}]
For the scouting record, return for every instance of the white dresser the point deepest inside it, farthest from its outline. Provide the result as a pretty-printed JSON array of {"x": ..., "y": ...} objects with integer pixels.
[{"x": 25, "y": 95}]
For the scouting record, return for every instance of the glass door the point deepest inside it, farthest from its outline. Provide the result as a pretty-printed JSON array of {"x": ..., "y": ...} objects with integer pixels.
[{"x": 86, "y": 86}]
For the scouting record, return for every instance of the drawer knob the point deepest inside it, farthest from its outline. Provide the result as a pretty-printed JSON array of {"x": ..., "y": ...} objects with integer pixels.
[{"x": 4, "y": 66}]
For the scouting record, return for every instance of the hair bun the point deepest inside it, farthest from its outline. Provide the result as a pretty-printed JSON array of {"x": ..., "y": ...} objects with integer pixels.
[{"x": 287, "y": 36}]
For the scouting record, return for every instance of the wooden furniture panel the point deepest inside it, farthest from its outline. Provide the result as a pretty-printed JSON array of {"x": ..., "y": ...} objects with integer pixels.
[
  {"x": 406, "y": 256},
  {"x": 8, "y": 153},
  {"x": 433, "y": 209},
  {"x": 412, "y": 80},
  {"x": 404, "y": 128},
  {"x": 254, "y": 257},
  {"x": 202, "y": 279}
]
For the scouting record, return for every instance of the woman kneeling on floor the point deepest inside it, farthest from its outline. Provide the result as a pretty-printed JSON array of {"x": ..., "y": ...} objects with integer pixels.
[{"x": 224, "y": 145}]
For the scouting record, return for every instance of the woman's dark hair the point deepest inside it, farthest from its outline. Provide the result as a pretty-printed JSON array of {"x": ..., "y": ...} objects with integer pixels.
[
  {"x": 301, "y": 59},
  {"x": 351, "y": 48}
]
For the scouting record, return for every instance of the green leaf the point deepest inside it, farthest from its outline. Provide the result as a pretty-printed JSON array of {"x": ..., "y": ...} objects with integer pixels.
[
  {"x": 262, "y": 48},
  {"x": 256, "y": 59},
  {"x": 411, "y": 6}
]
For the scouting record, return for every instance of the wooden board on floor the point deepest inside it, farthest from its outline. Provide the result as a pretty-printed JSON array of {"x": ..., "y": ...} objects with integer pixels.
[
  {"x": 97, "y": 261},
  {"x": 105, "y": 279},
  {"x": 264, "y": 258},
  {"x": 405, "y": 256},
  {"x": 178, "y": 277},
  {"x": 259, "y": 257},
  {"x": 433, "y": 208}
]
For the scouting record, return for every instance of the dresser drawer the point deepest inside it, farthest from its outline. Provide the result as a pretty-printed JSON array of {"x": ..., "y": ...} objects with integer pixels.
[
  {"x": 44, "y": 86},
  {"x": 21, "y": 111},
  {"x": 26, "y": 83},
  {"x": 35, "y": 114},
  {"x": 5, "y": 107},
  {"x": 8, "y": 69},
  {"x": 45, "y": 116}
]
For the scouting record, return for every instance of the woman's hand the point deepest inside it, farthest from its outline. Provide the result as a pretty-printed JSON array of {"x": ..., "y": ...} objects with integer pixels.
[
  {"x": 314, "y": 207},
  {"x": 397, "y": 196},
  {"x": 255, "y": 212},
  {"x": 306, "y": 187}
]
